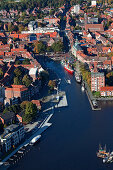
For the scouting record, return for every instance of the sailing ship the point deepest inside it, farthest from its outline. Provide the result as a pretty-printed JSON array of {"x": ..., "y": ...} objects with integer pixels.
[{"x": 102, "y": 153}]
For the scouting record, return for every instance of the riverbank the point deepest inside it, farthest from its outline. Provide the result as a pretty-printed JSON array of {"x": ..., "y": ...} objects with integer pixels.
[{"x": 44, "y": 125}]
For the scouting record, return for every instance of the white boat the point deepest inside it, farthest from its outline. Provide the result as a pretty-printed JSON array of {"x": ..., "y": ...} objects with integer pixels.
[
  {"x": 94, "y": 102},
  {"x": 82, "y": 88},
  {"x": 35, "y": 139},
  {"x": 68, "y": 81}
]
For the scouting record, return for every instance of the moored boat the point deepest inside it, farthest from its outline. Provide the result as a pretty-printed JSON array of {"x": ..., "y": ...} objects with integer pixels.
[
  {"x": 35, "y": 139},
  {"x": 102, "y": 153},
  {"x": 67, "y": 66},
  {"x": 78, "y": 77}
]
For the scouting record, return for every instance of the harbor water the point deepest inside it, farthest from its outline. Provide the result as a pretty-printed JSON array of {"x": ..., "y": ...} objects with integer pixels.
[{"x": 72, "y": 141}]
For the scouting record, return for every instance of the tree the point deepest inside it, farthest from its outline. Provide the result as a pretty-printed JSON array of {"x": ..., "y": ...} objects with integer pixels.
[
  {"x": 26, "y": 61},
  {"x": 1, "y": 73},
  {"x": 23, "y": 105},
  {"x": 14, "y": 108},
  {"x": 5, "y": 110},
  {"x": 18, "y": 72},
  {"x": 17, "y": 62},
  {"x": 27, "y": 118},
  {"x": 31, "y": 109},
  {"x": 52, "y": 84},
  {"x": 57, "y": 46},
  {"x": 40, "y": 47},
  {"x": 17, "y": 81},
  {"x": 26, "y": 80}
]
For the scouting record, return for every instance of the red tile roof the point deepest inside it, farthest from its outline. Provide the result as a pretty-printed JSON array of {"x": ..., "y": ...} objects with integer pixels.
[{"x": 106, "y": 88}]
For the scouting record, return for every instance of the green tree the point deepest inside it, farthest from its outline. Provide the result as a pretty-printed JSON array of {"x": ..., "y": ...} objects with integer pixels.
[
  {"x": 26, "y": 80},
  {"x": 23, "y": 105},
  {"x": 26, "y": 61},
  {"x": 17, "y": 81},
  {"x": 52, "y": 84},
  {"x": 40, "y": 47},
  {"x": 57, "y": 46},
  {"x": 1, "y": 73},
  {"x": 31, "y": 109},
  {"x": 27, "y": 118},
  {"x": 17, "y": 62},
  {"x": 14, "y": 108},
  {"x": 18, "y": 72},
  {"x": 5, "y": 110}
]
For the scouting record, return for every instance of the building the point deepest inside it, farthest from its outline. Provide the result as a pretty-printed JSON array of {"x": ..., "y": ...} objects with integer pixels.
[
  {"x": 106, "y": 91},
  {"x": 7, "y": 118},
  {"x": 37, "y": 102},
  {"x": 19, "y": 116},
  {"x": 33, "y": 72},
  {"x": 16, "y": 91},
  {"x": 93, "y": 3},
  {"x": 76, "y": 47},
  {"x": 12, "y": 136},
  {"x": 32, "y": 25},
  {"x": 97, "y": 81},
  {"x": 94, "y": 27}
]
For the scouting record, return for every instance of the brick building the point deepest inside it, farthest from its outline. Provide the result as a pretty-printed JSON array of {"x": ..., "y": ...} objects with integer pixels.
[
  {"x": 97, "y": 81},
  {"x": 94, "y": 27},
  {"x": 16, "y": 91}
]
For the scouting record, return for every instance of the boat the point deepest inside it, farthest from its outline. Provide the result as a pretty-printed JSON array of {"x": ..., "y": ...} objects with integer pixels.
[
  {"x": 82, "y": 88},
  {"x": 35, "y": 139},
  {"x": 102, "y": 153},
  {"x": 67, "y": 67},
  {"x": 94, "y": 102},
  {"x": 68, "y": 81},
  {"x": 78, "y": 77},
  {"x": 109, "y": 158}
]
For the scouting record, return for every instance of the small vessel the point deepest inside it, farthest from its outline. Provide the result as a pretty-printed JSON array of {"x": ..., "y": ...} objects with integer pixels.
[
  {"x": 35, "y": 139},
  {"x": 82, "y": 88},
  {"x": 67, "y": 66},
  {"x": 78, "y": 77},
  {"x": 94, "y": 102},
  {"x": 102, "y": 153},
  {"x": 68, "y": 81}
]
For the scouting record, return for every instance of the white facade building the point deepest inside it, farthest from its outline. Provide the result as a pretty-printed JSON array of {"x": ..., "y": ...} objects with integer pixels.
[
  {"x": 75, "y": 9},
  {"x": 41, "y": 30},
  {"x": 93, "y": 3}
]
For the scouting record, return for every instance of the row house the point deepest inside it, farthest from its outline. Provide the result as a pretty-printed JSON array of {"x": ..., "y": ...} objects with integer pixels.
[
  {"x": 12, "y": 136},
  {"x": 97, "y": 81},
  {"x": 106, "y": 91}
]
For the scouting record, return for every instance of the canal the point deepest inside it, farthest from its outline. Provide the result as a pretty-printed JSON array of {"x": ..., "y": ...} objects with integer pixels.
[{"x": 72, "y": 140}]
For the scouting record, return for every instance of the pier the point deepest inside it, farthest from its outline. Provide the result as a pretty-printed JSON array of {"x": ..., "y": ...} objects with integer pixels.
[{"x": 91, "y": 97}]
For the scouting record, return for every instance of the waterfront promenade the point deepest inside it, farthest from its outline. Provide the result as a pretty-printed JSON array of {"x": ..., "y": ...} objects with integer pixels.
[{"x": 43, "y": 126}]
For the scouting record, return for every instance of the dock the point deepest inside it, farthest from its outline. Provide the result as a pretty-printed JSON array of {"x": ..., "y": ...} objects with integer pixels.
[
  {"x": 91, "y": 98},
  {"x": 62, "y": 102}
]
